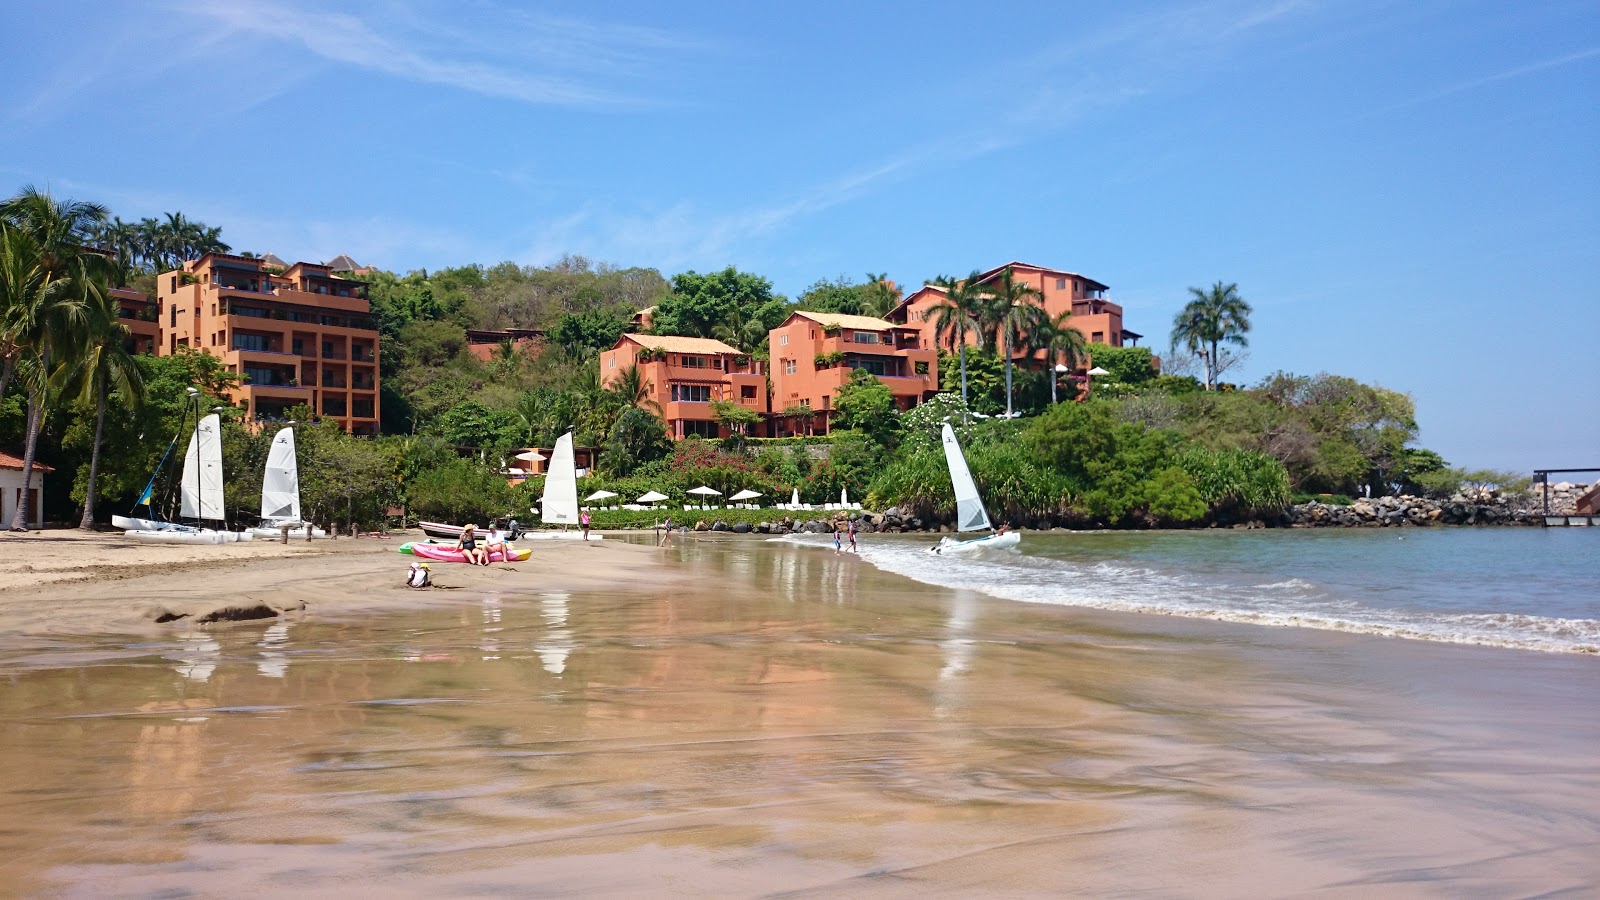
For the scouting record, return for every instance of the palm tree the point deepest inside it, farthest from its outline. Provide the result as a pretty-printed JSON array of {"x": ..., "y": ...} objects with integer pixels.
[
  {"x": 1058, "y": 339},
  {"x": 1006, "y": 313},
  {"x": 99, "y": 364},
  {"x": 45, "y": 324},
  {"x": 880, "y": 294},
  {"x": 634, "y": 389},
  {"x": 958, "y": 317},
  {"x": 1214, "y": 316}
]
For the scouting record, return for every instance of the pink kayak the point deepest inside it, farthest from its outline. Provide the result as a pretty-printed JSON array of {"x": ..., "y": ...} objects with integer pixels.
[{"x": 447, "y": 553}]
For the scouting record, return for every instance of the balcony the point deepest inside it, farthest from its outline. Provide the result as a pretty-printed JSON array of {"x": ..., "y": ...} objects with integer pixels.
[{"x": 331, "y": 381}]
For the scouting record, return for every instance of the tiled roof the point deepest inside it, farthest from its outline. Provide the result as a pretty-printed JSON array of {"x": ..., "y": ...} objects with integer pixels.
[
  {"x": 985, "y": 276},
  {"x": 674, "y": 344},
  {"x": 840, "y": 320},
  {"x": 343, "y": 263},
  {"x": 7, "y": 461},
  {"x": 272, "y": 259}
]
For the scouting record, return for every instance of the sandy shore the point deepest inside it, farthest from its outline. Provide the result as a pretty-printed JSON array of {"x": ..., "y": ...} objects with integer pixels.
[
  {"x": 731, "y": 717},
  {"x": 74, "y": 582}
]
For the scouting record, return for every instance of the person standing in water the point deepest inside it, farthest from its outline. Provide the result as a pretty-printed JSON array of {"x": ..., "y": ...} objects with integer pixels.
[
  {"x": 852, "y": 533},
  {"x": 836, "y": 536}
]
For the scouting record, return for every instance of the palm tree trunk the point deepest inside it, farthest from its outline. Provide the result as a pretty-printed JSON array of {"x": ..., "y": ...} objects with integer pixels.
[
  {"x": 963, "y": 374},
  {"x": 19, "y": 520},
  {"x": 1050, "y": 369},
  {"x": 1211, "y": 368},
  {"x": 87, "y": 522},
  {"x": 5, "y": 375},
  {"x": 1008, "y": 374}
]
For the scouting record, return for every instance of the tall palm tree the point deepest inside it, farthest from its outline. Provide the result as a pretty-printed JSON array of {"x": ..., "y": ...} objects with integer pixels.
[
  {"x": 634, "y": 389},
  {"x": 1059, "y": 341},
  {"x": 880, "y": 294},
  {"x": 959, "y": 317},
  {"x": 1214, "y": 316},
  {"x": 98, "y": 365},
  {"x": 1007, "y": 311},
  {"x": 60, "y": 231}
]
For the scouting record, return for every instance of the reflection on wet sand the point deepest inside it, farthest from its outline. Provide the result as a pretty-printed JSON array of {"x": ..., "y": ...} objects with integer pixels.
[{"x": 796, "y": 721}]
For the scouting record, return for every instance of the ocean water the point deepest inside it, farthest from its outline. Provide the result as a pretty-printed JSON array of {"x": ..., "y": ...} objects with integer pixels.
[{"x": 1523, "y": 588}]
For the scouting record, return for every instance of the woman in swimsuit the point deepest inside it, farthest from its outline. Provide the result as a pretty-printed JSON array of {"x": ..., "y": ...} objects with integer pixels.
[{"x": 468, "y": 545}]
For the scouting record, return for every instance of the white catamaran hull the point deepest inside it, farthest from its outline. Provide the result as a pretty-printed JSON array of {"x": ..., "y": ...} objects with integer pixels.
[
  {"x": 193, "y": 536},
  {"x": 953, "y": 547},
  {"x": 558, "y": 536},
  {"x": 130, "y": 523},
  {"x": 298, "y": 530}
]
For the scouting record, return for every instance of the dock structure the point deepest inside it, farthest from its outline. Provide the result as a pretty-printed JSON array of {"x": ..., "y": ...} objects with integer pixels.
[{"x": 1586, "y": 511}]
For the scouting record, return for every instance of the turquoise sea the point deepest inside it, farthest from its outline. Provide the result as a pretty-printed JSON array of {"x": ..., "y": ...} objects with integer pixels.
[{"x": 1525, "y": 588}]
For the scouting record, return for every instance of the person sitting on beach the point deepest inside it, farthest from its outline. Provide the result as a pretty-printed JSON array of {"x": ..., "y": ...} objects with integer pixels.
[
  {"x": 467, "y": 543},
  {"x": 419, "y": 576},
  {"x": 495, "y": 541}
]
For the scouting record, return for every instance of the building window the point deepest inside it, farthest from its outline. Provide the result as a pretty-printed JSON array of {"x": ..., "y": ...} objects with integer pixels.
[
  {"x": 1061, "y": 284},
  {"x": 921, "y": 368},
  {"x": 249, "y": 342},
  {"x": 783, "y": 340},
  {"x": 698, "y": 427},
  {"x": 691, "y": 393},
  {"x": 747, "y": 392},
  {"x": 1099, "y": 337},
  {"x": 694, "y": 362},
  {"x": 611, "y": 363},
  {"x": 788, "y": 367},
  {"x": 866, "y": 337},
  {"x": 874, "y": 366}
]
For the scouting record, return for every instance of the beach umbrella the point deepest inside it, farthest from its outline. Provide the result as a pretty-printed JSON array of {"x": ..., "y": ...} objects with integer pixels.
[
  {"x": 794, "y": 499},
  {"x": 844, "y": 496},
  {"x": 531, "y": 456},
  {"x": 705, "y": 491},
  {"x": 652, "y": 497},
  {"x": 599, "y": 495},
  {"x": 745, "y": 495}
]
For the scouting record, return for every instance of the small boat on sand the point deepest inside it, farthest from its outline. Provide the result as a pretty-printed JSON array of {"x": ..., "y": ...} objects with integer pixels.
[{"x": 448, "y": 553}]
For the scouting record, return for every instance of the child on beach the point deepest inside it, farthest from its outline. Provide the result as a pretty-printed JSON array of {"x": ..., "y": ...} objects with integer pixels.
[
  {"x": 853, "y": 547},
  {"x": 583, "y": 519},
  {"x": 419, "y": 576},
  {"x": 836, "y": 540}
]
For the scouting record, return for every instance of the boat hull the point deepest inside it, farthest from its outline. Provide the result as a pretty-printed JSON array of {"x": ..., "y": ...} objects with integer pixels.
[
  {"x": 953, "y": 547},
  {"x": 129, "y": 523},
  {"x": 193, "y": 536},
  {"x": 558, "y": 536},
  {"x": 442, "y": 553},
  {"x": 271, "y": 532}
]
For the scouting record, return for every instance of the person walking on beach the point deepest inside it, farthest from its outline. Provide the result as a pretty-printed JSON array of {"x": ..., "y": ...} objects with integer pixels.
[
  {"x": 852, "y": 534},
  {"x": 583, "y": 519},
  {"x": 836, "y": 535}
]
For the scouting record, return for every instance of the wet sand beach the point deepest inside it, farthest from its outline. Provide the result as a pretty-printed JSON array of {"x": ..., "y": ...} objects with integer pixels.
[{"x": 733, "y": 717}]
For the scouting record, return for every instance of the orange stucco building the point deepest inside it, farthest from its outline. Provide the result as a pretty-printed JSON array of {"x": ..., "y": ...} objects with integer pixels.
[
  {"x": 813, "y": 354},
  {"x": 137, "y": 312},
  {"x": 295, "y": 336},
  {"x": 685, "y": 375},
  {"x": 1060, "y": 291}
]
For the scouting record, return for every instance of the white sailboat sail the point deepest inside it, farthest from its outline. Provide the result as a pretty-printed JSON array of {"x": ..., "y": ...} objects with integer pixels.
[
  {"x": 560, "y": 501},
  {"x": 201, "y": 484},
  {"x": 970, "y": 514},
  {"x": 280, "y": 485}
]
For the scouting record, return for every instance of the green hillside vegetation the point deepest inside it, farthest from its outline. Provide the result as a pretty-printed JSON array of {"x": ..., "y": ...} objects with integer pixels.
[{"x": 1144, "y": 449}]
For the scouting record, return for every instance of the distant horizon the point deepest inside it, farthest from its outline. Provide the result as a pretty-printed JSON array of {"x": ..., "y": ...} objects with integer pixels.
[{"x": 1408, "y": 195}]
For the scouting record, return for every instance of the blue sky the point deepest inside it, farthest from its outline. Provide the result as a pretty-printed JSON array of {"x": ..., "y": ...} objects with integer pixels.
[{"x": 1408, "y": 192}]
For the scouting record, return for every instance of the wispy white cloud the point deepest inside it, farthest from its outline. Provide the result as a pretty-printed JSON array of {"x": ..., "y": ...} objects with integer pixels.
[
  {"x": 521, "y": 57},
  {"x": 1473, "y": 84}
]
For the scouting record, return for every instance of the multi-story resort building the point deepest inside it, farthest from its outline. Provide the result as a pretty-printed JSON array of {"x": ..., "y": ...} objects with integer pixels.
[
  {"x": 1097, "y": 318},
  {"x": 294, "y": 335},
  {"x": 813, "y": 354},
  {"x": 684, "y": 375},
  {"x": 138, "y": 315}
]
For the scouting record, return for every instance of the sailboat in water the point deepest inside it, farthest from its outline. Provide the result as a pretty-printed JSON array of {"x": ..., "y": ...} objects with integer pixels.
[
  {"x": 970, "y": 514},
  {"x": 200, "y": 492},
  {"x": 559, "y": 504},
  {"x": 280, "y": 492}
]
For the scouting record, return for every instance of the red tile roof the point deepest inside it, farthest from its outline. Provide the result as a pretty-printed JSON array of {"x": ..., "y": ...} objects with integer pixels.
[{"x": 7, "y": 461}]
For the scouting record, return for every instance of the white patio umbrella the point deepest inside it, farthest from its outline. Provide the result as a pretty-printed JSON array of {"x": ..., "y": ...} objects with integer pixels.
[
  {"x": 599, "y": 495},
  {"x": 745, "y": 495},
  {"x": 794, "y": 498},
  {"x": 705, "y": 491},
  {"x": 531, "y": 456},
  {"x": 844, "y": 496},
  {"x": 652, "y": 497}
]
